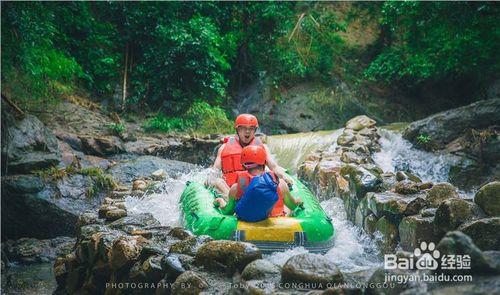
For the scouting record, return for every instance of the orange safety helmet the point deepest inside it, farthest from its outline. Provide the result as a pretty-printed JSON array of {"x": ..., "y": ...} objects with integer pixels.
[
  {"x": 253, "y": 154},
  {"x": 246, "y": 120}
]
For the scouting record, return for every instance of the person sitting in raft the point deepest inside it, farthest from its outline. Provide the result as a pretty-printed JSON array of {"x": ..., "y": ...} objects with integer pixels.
[
  {"x": 229, "y": 155},
  {"x": 257, "y": 194}
]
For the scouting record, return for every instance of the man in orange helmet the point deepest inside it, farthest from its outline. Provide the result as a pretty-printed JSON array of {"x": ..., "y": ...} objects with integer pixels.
[
  {"x": 229, "y": 154},
  {"x": 257, "y": 194}
]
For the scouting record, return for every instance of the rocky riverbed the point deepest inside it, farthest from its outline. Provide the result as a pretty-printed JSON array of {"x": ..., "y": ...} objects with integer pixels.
[{"x": 99, "y": 218}]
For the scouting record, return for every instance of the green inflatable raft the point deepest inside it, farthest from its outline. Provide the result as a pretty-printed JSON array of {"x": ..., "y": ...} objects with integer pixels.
[{"x": 307, "y": 226}]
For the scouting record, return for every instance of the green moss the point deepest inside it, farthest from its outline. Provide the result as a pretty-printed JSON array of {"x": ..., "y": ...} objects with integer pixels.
[{"x": 98, "y": 181}]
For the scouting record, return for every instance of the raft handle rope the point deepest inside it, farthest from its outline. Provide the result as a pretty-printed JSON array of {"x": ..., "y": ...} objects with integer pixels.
[{"x": 195, "y": 215}]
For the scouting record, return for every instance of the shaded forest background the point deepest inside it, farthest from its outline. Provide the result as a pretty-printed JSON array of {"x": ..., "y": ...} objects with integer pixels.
[{"x": 185, "y": 62}]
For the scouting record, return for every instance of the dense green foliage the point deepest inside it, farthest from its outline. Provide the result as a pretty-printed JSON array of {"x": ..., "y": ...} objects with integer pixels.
[
  {"x": 182, "y": 57},
  {"x": 200, "y": 118},
  {"x": 438, "y": 41}
]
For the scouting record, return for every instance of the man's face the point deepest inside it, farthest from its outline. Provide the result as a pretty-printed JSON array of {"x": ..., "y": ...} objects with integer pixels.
[{"x": 245, "y": 133}]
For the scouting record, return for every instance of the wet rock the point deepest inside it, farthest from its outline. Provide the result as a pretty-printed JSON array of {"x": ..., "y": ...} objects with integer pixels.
[
  {"x": 159, "y": 174},
  {"x": 102, "y": 146},
  {"x": 126, "y": 251},
  {"x": 115, "y": 214},
  {"x": 346, "y": 137},
  {"x": 415, "y": 205},
  {"x": 370, "y": 224},
  {"x": 445, "y": 126},
  {"x": 36, "y": 208},
  {"x": 352, "y": 157},
  {"x": 175, "y": 264},
  {"x": 493, "y": 259},
  {"x": 458, "y": 243},
  {"x": 152, "y": 268},
  {"x": 388, "y": 204},
  {"x": 428, "y": 212},
  {"x": 30, "y": 251},
  {"x": 180, "y": 233},
  {"x": 441, "y": 192},
  {"x": 136, "y": 273},
  {"x": 189, "y": 283},
  {"x": 260, "y": 269},
  {"x": 416, "y": 229},
  {"x": 86, "y": 218},
  {"x": 361, "y": 179},
  {"x": 104, "y": 209},
  {"x": 480, "y": 284},
  {"x": 141, "y": 220},
  {"x": 139, "y": 185},
  {"x": 227, "y": 255},
  {"x": 311, "y": 268},
  {"x": 488, "y": 198},
  {"x": 386, "y": 234},
  {"x": 403, "y": 175},
  {"x": 378, "y": 283},
  {"x": 388, "y": 181},
  {"x": 453, "y": 212},
  {"x": 190, "y": 245},
  {"x": 87, "y": 231},
  {"x": 141, "y": 167},
  {"x": 361, "y": 213},
  {"x": 484, "y": 232},
  {"x": 406, "y": 187},
  {"x": 60, "y": 270},
  {"x": 27, "y": 145},
  {"x": 360, "y": 122}
]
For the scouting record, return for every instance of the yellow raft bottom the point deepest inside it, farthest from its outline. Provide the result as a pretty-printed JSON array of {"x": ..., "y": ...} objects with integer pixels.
[{"x": 275, "y": 229}]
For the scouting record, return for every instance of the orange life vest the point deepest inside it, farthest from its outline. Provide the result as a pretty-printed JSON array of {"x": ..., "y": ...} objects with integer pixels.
[
  {"x": 231, "y": 158},
  {"x": 243, "y": 180}
]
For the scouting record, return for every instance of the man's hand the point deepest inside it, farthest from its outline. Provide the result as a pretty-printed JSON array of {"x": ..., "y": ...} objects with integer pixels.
[
  {"x": 220, "y": 202},
  {"x": 282, "y": 175}
]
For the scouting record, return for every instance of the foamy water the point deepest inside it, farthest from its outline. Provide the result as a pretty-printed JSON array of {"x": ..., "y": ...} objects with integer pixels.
[
  {"x": 398, "y": 154},
  {"x": 164, "y": 205}
]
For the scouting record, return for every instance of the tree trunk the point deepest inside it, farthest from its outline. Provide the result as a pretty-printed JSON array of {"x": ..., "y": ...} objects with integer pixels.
[{"x": 125, "y": 78}]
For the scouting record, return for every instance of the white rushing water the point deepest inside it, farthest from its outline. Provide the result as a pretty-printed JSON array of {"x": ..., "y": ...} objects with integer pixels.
[
  {"x": 398, "y": 154},
  {"x": 291, "y": 149},
  {"x": 164, "y": 205}
]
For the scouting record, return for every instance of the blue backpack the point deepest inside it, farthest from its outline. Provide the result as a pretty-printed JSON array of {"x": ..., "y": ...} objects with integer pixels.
[{"x": 258, "y": 199}]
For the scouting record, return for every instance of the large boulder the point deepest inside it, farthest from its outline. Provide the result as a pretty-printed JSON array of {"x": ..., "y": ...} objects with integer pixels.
[
  {"x": 386, "y": 235},
  {"x": 360, "y": 122},
  {"x": 29, "y": 250},
  {"x": 445, "y": 126},
  {"x": 313, "y": 269},
  {"x": 27, "y": 145},
  {"x": 393, "y": 205},
  {"x": 441, "y": 192},
  {"x": 32, "y": 207},
  {"x": 488, "y": 198},
  {"x": 189, "y": 283},
  {"x": 453, "y": 212},
  {"x": 458, "y": 243},
  {"x": 484, "y": 232},
  {"x": 227, "y": 255},
  {"x": 260, "y": 269},
  {"x": 102, "y": 145},
  {"x": 143, "y": 166},
  {"x": 416, "y": 229},
  {"x": 190, "y": 245}
]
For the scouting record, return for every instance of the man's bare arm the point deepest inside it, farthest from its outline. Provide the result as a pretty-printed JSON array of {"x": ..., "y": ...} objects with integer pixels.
[
  {"x": 277, "y": 169},
  {"x": 218, "y": 160}
]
